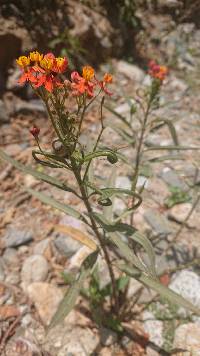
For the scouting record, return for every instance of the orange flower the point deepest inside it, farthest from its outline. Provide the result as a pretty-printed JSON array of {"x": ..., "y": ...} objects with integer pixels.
[
  {"x": 28, "y": 76},
  {"x": 107, "y": 79},
  {"x": 23, "y": 61},
  {"x": 35, "y": 57},
  {"x": 49, "y": 81},
  {"x": 60, "y": 64},
  {"x": 88, "y": 73},
  {"x": 47, "y": 62},
  {"x": 156, "y": 71},
  {"x": 80, "y": 85}
]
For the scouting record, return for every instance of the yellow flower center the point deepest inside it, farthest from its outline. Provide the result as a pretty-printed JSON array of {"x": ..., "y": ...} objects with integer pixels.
[
  {"x": 35, "y": 56},
  {"x": 88, "y": 73},
  {"x": 107, "y": 78},
  {"x": 60, "y": 61},
  {"x": 23, "y": 61},
  {"x": 47, "y": 63}
]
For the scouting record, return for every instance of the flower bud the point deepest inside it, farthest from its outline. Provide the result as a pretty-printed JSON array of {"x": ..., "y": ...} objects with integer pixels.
[{"x": 35, "y": 131}]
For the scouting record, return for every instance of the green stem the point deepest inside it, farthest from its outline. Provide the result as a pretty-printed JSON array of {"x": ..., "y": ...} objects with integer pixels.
[{"x": 98, "y": 235}]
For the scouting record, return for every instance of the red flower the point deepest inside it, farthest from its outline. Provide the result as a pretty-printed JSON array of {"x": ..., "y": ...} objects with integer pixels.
[
  {"x": 80, "y": 85},
  {"x": 35, "y": 131},
  {"x": 28, "y": 75},
  {"x": 157, "y": 71},
  {"x": 107, "y": 79},
  {"x": 49, "y": 81}
]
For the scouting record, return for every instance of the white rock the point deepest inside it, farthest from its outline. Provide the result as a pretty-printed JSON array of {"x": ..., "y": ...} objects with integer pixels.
[
  {"x": 142, "y": 182},
  {"x": 118, "y": 206},
  {"x": 123, "y": 182},
  {"x": 35, "y": 269},
  {"x": 41, "y": 247},
  {"x": 187, "y": 284},
  {"x": 154, "y": 328},
  {"x": 180, "y": 211},
  {"x": 77, "y": 259},
  {"x": 108, "y": 337},
  {"x": 46, "y": 298},
  {"x": 134, "y": 287},
  {"x": 130, "y": 71},
  {"x": 187, "y": 338},
  {"x": 80, "y": 341}
]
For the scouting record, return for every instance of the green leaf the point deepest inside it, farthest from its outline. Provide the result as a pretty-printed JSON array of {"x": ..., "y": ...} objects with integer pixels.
[
  {"x": 171, "y": 148},
  {"x": 166, "y": 158},
  {"x": 163, "y": 291},
  {"x": 124, "y": 134},
  {"x": 111, "y": 156},
  {"x": 125, "y": 250},
  {"x": 119, "y": 116},
  {"x": 73, "y": 292},
  {"x": 171, "y": 128},
  {"x": 146, "y": 244},
  {"x": 116, "y": 239},
  {"x": 107, "y": 193},
  {"x": 55, "y": 204},
  {"x": 38, "y": 175},
  {"x": 108, "y": 210}
]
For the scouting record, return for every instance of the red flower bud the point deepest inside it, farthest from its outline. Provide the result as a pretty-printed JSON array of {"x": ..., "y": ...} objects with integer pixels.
[{"x": 35, "y": 131}]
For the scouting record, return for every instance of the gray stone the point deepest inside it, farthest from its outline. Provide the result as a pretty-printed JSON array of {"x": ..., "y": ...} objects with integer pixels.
[
  {"x": 171, "y": 178},
  {"x": 41, "y": 247},
  {"x": 15, "y": 238},
  {"x": 66, "y": 245},
  {"x": 26, "y": 107},
  {"x": 13, "y": 278},
  {"x": 187, "y": 338},
  {"x": 12, "y": 82},
  {"x": 154, "y": 328},
  {"x": 133, "y": 288},
  {"x": 79, "y": 341},
  {"x": 123, "y": 182},
  {"x": 179, "y": 213},
  {"x": 35, "y": 269},
  {"x": 104, "y": 275},
  {"x": 46, "y": 298},
  {"x": 2, "y": 273},
  {"x": 108, "y": 337},
  {"x": 118, "y": 206},
  {"x": 4, "y": 117},
  {"x": 142, "y": 182},
  {"x": 10, "y": 257},
  {"x": 187, "y": 284},
  {"x": 130, "y": 71},
  {"x": 158, "y": 222}
]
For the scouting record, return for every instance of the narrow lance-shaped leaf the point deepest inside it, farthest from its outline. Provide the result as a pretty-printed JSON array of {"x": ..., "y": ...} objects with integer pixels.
[
  {"x": 38, "y": 175},
  {"x": 116, "y": 239},
  {"x": 55, "y": 204},
  {"x": 108, "y": 210},
  {"x": 171, "y": 128},
  {"x": 77, "y": 235},
  {"x": 73, "y": 292},
  {"x": 113, "y": 232},
  {"x": 146, "y": 244},
  {"x": 172, "y": 148},
  {"x": 163, "y": 291}
]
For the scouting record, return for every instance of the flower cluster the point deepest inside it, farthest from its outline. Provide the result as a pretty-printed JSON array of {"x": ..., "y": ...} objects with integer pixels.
[
  {"x": 43, "y": 70},
  {"x": 156, "y": 71},
  {"x": 88, "y": 82}
]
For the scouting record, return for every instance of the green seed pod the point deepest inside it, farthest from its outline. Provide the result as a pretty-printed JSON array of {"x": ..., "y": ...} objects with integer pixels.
[
  {"x": 112, "y": 158},
  {"x": 105, "y": 202}
]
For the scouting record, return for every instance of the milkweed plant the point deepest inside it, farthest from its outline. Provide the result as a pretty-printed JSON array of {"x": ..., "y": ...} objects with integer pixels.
[{"x": 114, "y": 238}]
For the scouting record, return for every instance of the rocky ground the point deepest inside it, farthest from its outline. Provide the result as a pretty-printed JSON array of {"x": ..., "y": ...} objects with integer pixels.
[{"x": 34, "y": 254}]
